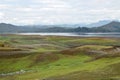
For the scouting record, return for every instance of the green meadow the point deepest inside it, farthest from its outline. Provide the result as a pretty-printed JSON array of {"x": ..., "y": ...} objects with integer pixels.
[{"x": 59, "y": 58}]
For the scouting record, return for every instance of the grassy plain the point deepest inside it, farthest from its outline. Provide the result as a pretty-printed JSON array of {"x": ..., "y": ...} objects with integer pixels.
[{"x": 59, "y": 58}]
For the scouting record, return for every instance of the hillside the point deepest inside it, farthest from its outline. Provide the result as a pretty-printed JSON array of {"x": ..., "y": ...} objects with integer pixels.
[
  {"x": 111, "y": 27},
  {"x": 59, "y": 58},
  {"x": 99, "y": 23},
  {"x": 8, "y": 28}
]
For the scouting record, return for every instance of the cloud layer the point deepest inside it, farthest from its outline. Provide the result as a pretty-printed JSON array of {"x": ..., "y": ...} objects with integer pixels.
[{"x": 58, "y": 11}]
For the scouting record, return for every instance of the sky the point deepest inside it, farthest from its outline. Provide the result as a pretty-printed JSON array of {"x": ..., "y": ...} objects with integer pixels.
[{"x": 30, "y": 12}]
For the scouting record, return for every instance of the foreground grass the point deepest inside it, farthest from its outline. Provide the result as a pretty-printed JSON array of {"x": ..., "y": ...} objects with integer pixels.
[
  {"x": 58, "y": 58},
  {"x": 65, "y": 66}
]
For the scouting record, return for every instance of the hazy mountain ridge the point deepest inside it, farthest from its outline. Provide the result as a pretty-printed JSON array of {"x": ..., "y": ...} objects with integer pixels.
[
  {"x": 9, "y": 28},
  {"x": 99, "y": 23},
  {"x": 113, "y": 26}
]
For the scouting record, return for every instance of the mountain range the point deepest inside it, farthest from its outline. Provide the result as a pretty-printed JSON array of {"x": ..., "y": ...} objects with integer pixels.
[
  {"x": 99, "y": 23},
  {"x": 106, "y": 26}
]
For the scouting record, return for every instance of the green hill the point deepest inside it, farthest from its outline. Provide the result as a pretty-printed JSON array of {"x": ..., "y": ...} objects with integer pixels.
[{"x": 59, "y": 58}]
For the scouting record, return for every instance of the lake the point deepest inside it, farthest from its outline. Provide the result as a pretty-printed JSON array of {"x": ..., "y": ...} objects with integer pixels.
[{"x": 75, "y": 34}]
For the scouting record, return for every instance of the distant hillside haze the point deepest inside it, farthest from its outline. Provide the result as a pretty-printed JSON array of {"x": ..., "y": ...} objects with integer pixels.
[
  {"x": 8, "y": 28},
  {"x": 98, "y": 24},
  {"x": 113, "y": 26}
]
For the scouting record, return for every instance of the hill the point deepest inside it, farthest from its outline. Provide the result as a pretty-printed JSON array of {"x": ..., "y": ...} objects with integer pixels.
[
  {"x": 99, "y": 23},
  {"x": 114, "y": 26},
  {"x": 8, "y": 28},
  {"x": 59, "y": 58}
]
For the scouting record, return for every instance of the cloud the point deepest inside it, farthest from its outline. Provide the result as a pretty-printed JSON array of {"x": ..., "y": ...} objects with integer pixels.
[
  {"x": 4, "y": 6},
  {"x": 1, "y": 15},
  {"x": 58, "y": 11}
]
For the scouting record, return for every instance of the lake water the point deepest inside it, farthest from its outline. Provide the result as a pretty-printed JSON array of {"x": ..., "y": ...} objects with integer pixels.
[{"x": 75, "y": 34}]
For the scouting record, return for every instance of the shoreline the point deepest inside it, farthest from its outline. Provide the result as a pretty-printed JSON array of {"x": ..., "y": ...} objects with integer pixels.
[{"x": 60, "y": 36}]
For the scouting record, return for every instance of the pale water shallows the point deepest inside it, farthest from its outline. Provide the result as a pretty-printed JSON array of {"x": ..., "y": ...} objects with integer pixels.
[{"x": 75, "y": 34}]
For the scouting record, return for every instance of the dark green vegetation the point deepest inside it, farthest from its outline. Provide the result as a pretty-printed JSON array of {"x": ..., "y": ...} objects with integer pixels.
[
  {"x": 59, "y": 58},
  {"x": 113, "y": 26}
]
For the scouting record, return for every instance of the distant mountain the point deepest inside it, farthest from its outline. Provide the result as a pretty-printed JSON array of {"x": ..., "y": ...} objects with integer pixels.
[
  {"x": 8, "y": 28},
  {"x": 71, "y": 25},
  {"x": 98, "y": 24},
  {"x": 55, "y": 29},
  {"x": 114, "y": 26}
]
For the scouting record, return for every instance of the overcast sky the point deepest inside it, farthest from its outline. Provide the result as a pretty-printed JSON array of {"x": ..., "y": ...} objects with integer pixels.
[{"x": 58, "y": 11}]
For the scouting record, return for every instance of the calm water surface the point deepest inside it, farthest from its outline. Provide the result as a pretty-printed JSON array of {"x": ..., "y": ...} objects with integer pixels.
[{"x": 75, "y": 34}]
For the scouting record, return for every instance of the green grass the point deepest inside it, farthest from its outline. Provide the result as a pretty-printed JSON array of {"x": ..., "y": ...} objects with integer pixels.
[
  {"x": 107, "y": 71},
  {"x": 44, "y": 50},
  {"x": 93, "y": 47},
  {"x": 64, "y": 65},
  {"x": 68, "y": 65},
  {"x": 14, "y": 64},
  {"x": 52, "y": 58}
]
